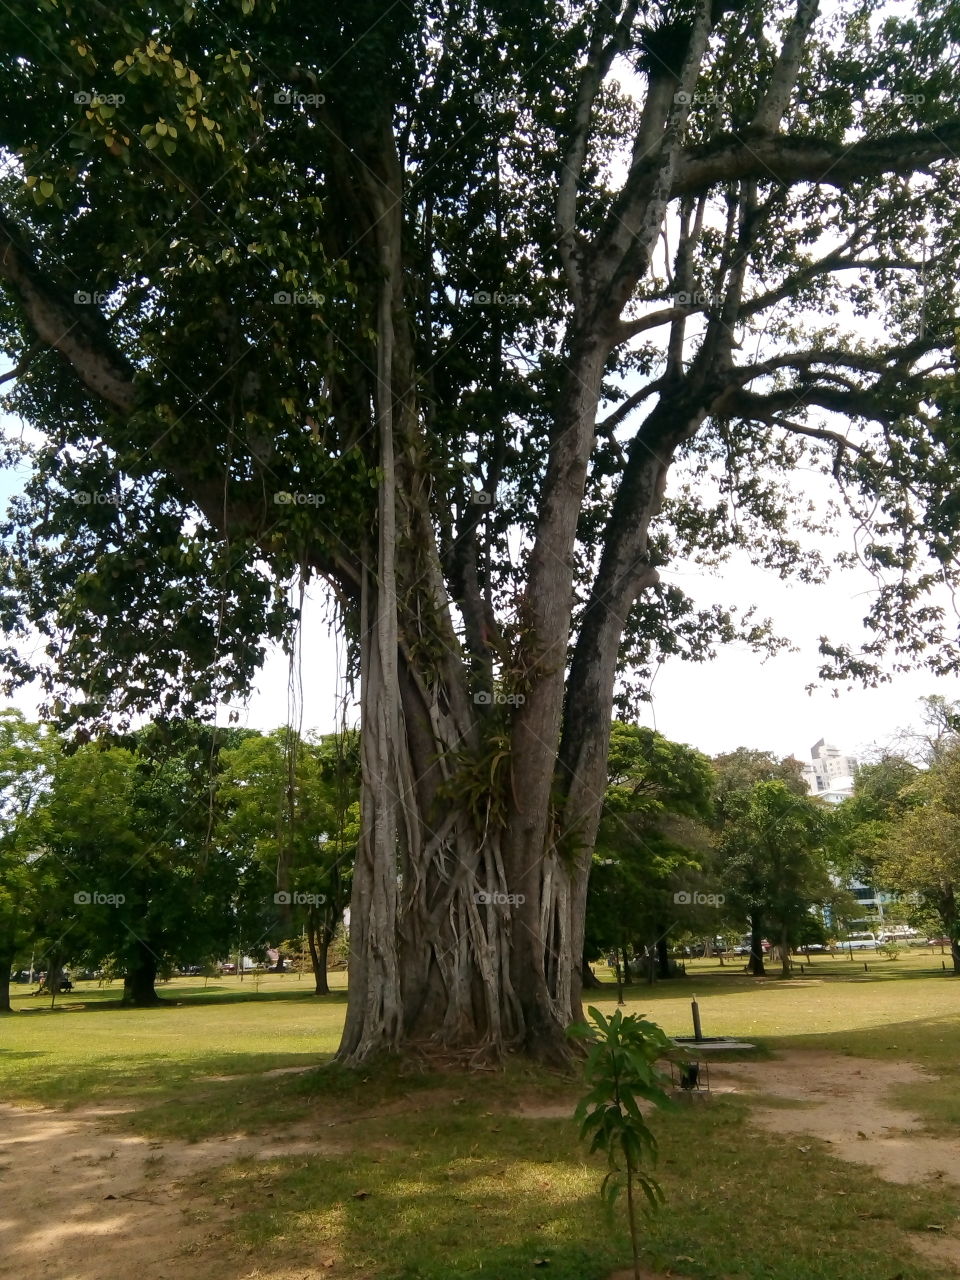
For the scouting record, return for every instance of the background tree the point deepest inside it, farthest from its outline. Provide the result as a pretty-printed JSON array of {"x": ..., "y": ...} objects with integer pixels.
[
  {"x": 921, "y": 853},
  {"x": 26, "y": 752},
  {"x": 652, "y": 840},
  {"x": 293, "y": 807},
  {"x": 128, "y": 833},
  {"x": 773, "y": 863},
  {"x": 381, "y": 295},
  {"x": 742, "y": 768},
  {"x": 882, "y": 794}
]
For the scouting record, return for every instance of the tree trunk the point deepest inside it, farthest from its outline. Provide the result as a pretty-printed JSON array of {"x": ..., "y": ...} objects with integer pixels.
[
  {"x": 318, "y": 940},
  {"x": 946, "y": 903},
  {"x": 139, "y": 982},
  {"x": 663, "y": 958},
  {"x": 756, "y": 947},
  {"x": 53, "y": 979},
  {"x": 588, "y": 978},
  {"x": 6, "y": 961},
  {"x": 785, "y": 962},
  {"x": 462, "y": 910}
]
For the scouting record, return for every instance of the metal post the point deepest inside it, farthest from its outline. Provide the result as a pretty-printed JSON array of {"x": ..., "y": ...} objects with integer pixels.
[{"x": 695, "y": 1009}]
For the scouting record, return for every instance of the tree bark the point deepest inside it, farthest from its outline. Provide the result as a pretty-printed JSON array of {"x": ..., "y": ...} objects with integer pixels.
[
  {"x": 756, "y": 946},
  {"x": 318, "y": 940},
  {"x": 785, "y": 962},
  {"x": 6, "y": 961},
  {"x": 139, "y": 982},
  {"x": 663, "y": 958},
  {"x": 946, "y": 902}
]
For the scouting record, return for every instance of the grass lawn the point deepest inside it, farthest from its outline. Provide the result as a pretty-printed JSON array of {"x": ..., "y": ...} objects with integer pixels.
[{"x": 482, "y": 1175}]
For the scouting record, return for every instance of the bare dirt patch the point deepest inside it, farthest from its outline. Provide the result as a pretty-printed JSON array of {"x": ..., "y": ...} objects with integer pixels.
[
  {"x": 80, "y": 1203},
  {"x": 848, "y": 1107}
]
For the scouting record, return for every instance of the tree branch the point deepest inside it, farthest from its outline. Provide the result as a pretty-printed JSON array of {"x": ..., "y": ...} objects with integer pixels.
[
  {"x": 792, "y": 160},
  {"x": 599, "y": 59},
  {"x": 783, "y": 81},
  {"x": 79, "y": 336}
]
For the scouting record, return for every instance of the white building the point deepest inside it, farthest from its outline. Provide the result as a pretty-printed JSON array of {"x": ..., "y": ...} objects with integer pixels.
[{"x": 829, "y": 773}]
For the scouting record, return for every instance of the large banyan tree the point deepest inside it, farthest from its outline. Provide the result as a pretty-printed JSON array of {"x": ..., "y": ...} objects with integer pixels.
[{"x": 425, "y": 300}]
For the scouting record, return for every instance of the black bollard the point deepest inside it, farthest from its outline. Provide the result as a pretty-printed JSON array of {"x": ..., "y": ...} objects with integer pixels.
[{"x": 697, "y": 1029}]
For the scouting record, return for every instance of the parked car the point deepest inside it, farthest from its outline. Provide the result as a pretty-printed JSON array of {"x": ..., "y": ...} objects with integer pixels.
[
  {"x": 745, "y": 947},
  {"x": 859, "y": 942}
]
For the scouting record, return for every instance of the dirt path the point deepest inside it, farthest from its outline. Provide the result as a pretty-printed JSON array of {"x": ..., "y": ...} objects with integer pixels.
[
  {"x": 850, "y": 1110},
  {"x": 849, "y": 1107},
  {"x": 80, "y": 1203}
]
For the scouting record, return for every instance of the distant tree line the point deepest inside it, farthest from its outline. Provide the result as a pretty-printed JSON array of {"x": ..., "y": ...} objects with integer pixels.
[{"x": 176, "y": 845}]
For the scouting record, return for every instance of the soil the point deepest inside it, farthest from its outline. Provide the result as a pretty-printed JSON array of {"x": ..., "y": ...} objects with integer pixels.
[
  {"x": 847, "y": 1105},
  {"x": 80, "y": 1203}
]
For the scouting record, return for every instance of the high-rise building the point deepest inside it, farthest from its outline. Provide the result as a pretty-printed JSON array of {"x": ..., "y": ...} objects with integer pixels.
[{"x": 830, "y": 772}]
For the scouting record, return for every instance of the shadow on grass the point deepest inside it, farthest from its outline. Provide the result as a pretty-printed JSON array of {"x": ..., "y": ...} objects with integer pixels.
[
  {"x": 736, "y": 982},
  {"x": 473, "y": 1192},
  {"x": 96, "y": 999}
]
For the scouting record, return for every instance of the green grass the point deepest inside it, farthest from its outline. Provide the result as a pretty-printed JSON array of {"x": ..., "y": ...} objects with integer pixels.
[
  {"x": 471, "y": 1194},
  {"x": 166, "y": 1059},
  {"x": 438, "y": 1176}
]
